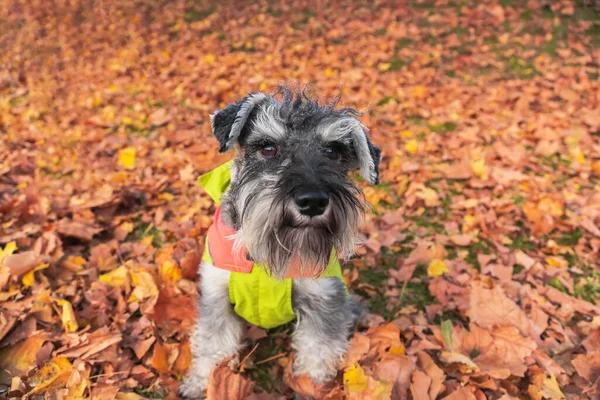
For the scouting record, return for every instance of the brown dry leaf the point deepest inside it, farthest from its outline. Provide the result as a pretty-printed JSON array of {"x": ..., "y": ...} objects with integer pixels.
[
  {"x": 384, "y": 339},
  {"x": 159, "y": 118},
  {"x": 93, "y": 344},
  {"x": 588, "y": 366},
  {"x": 507, "y": 354},
  {"x": 141, "y": 347},
  {"x": 20, "y": 358},
  {"x": 160, "y": 359},
  {"x": 462, "y": 239},
  {"x": 458, "y": 170},
  {"x": 184, "y": 360},
  {"x": 358, "y": 347},
  {"x": 419, "y": 388},
  {"x": 21, "y": 263},
  {"x": 76, "y": 229},
  {"x": 434, "y": 372},
  {"x": 464, "y": 393},
  {"x": 396, "y": 369},
  {"x": 491, "y": 307}
]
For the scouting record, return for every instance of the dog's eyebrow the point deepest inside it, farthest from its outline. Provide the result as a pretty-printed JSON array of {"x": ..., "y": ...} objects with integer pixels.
[
  {"x": 336, "y": 131},
  {"x": 268, "y": 124}
]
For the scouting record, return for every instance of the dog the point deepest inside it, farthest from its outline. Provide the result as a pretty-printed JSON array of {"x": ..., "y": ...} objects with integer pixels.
[{"x": 288, "y": 210}]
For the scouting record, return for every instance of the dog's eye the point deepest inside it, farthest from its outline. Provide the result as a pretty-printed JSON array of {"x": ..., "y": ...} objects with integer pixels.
[
  {"x": 269, "y": 151},
  {"x": 332, "y": 153}
]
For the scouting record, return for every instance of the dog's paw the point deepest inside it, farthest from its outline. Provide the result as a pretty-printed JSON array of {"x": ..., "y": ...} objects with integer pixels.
[
  {"x": 193, "y": 387},
  {"x": 318, "y": 373}
]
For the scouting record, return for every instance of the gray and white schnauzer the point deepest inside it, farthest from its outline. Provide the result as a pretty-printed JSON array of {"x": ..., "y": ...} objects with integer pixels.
[{"x": 289, "y": 208}]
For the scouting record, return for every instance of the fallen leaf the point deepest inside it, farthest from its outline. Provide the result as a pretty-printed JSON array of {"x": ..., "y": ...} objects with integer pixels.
[
  {"x": 118, "y": 277},
  {"x": 143, "y": 283},
  {"x": 68, "y": 316},
  {"x": 21, "y": 263},
  {"x": 54, "y": 373},
  {"x": 491, "y": 307},
  {"x": 127, "y": 157},
  {"x": 19, "y": 359},
  {"x": 437, "y": 268}
]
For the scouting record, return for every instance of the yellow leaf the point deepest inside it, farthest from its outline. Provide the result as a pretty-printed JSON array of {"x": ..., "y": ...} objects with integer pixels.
[
  {"x": 384, "y": 66},
  {"x": 144, "y": 285},
  {"x": 402, "y": 185},
  {"x": 355, "y": 380},
  {"x": 551, "y": 389},
  {"x": 479, "y": 168},
  {"x": 97, "y": 100},
  {"x": 169, "y": 272},
  {"x": 428, "y": 195},
  {"x": 116, "y": 278},
  {"x": 419, "y": 91},
  {"x": 374, "y": 196},
  {"x": 29, "y": 278},
  {"x": 436, "y": 268},
  {"x": 8, "y": 250},
  {"x": 178, "y": 92},
  {"x": 127, "y": 157},
  {"x": 127, "y": 227},
  {"x": 128, "y": 396},
  {"x": 77, "y": 385},
  {"x": 558, "y": 262},
  {"x": 328, "y": 72},
  {"x": 209, "y": 58},
  {"x": 397, "y": 350},
  {"x": 166, "y": 196},
  {"x": 53, "y": 373},
  {"x": 406, "y": 134},
  {"x": 119, "y": 177},
  {"x": 550, "y": 206},
  {"x": 412, "y": 146},
  {"x": 68, "y": 316},
  {"x": 382, "y": 390}
]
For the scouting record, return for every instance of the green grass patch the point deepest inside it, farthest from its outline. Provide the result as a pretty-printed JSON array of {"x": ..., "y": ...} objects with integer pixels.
[
  {"x": 145, "y": 229},
  {"x": 194, "y": 14},
  {"x": 404, "y": 42},
  {"x": 275, "y": 343},
  {"x": 386, "y": 100},
  {"x": 426, "y": 220},
  {"x": 570, "y": 238},
  {"x": 443, "y": 128},
  {"x": 518, "y": 199}
]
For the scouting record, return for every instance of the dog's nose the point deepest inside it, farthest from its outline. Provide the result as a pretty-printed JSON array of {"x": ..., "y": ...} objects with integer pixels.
[{"x": 311, "y": 202}]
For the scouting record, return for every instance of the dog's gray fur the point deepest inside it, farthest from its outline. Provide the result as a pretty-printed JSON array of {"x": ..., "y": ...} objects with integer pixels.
[{"x": 317, "y": 146}]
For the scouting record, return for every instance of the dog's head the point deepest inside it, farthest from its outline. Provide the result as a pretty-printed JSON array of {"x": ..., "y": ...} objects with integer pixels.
[{"x": 291, "y": 200}]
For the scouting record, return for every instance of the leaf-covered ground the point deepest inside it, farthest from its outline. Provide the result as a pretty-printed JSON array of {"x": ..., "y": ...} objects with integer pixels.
[{"x": 481, "y": 265}]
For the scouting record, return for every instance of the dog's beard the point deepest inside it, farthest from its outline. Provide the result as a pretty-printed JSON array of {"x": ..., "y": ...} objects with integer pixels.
[{"x": 275, "y": 234}]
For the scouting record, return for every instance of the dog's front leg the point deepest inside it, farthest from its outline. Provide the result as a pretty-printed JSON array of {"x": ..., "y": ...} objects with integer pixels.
[
  {"x": 218, "y": 331},
  {"x": 325, "y": 320}
]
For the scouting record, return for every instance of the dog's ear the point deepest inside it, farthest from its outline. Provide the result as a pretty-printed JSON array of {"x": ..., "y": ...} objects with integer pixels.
[
  {"x": 375, "y": 153},
  {"x": 367, "y": 153},
  {"x": 227, "y": 124}
]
